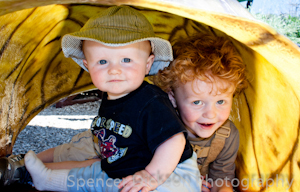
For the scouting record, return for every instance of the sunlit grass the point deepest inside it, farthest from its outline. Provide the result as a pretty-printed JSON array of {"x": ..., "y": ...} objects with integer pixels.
[{"x": 284, "y": 24}]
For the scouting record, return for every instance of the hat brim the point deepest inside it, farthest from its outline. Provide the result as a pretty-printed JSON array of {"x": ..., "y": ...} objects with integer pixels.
[{"x": 72, "y": 45}]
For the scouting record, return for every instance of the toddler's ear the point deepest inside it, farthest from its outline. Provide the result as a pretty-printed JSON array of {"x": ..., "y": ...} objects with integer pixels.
[
  {"x": 172, "y": 98},
  {"x": 150, "y": 61},
  {"x": 85, "y": 63}
]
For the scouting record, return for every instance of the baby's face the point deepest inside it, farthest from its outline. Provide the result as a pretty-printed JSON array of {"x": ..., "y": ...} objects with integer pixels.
[
  {"x": 117, "y": 70},
  {"x": 202, "y": 107}
]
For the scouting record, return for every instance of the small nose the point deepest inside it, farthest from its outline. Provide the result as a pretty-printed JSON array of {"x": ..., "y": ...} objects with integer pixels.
[
  {"x": 210, "y": 112},
  {"x": 114, "y": 69}
]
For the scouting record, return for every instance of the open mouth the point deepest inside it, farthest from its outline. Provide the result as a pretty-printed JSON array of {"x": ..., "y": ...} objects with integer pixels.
[{"x": 206, "y": 125}]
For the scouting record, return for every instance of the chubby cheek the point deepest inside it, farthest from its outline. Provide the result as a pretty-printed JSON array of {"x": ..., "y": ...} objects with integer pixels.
[
  {"x": 94, "y": 78},
  {"x": 224, "y": 115},
  {"x": 97, "y": 80}
]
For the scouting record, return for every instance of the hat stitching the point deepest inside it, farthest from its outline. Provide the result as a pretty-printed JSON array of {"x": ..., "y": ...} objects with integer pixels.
[
  {"x": 117, "y": 44},
  {"x": 113, "y": 27}
]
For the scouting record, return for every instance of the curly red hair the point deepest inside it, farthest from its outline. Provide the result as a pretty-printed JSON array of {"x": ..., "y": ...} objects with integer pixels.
[{"x": 203, "y": 57}]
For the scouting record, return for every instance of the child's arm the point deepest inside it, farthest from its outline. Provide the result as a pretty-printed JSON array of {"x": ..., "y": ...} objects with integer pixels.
[
  {"x": 166, "y": 158},
  {"x": 163, "y": 163}
]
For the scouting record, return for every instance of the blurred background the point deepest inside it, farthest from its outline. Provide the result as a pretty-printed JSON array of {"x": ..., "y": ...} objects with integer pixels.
[{"x": 283, "y": 15}]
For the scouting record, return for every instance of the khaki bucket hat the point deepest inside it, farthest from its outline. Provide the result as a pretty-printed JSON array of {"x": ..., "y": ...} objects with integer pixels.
[{"x": 118, "y": 26}]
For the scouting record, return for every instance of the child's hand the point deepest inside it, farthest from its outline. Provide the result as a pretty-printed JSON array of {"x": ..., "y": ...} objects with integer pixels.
[
  {"x": 206, "y": 186},
  {"x": 141, "y": 180}
]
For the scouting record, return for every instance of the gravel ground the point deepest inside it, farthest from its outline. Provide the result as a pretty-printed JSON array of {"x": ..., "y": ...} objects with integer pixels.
[{"x": 55, "y": 126}]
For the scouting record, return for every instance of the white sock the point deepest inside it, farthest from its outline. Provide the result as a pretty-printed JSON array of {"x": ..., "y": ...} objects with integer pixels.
[{"x": 45, "y": 179}]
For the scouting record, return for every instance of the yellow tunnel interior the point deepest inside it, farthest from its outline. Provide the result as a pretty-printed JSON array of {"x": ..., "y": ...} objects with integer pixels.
[{"x": 35, "y": 74}]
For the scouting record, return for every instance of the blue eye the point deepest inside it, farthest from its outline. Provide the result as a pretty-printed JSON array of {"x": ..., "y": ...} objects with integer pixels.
[
  {"x": 102, "y": 62},
  {"x": 221, "y": 102},
  {"x": 126, "y": 60},
  {"x": 198, "y": 102}
]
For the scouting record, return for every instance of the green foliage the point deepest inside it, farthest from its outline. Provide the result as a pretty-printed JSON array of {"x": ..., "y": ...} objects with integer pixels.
[{"x": 283, "y": 24}]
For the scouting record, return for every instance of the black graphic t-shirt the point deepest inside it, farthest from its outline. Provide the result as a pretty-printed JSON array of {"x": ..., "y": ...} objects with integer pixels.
[{"x": 130, "y": 129}]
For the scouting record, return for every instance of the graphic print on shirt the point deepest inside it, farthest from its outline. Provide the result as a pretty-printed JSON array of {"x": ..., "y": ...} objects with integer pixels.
[
  {"x": 109, "y": 124},
  {"x": 108, "y": 148}
]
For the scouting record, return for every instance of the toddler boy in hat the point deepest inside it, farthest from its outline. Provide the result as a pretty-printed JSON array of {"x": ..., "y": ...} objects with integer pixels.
[{"x": 140, "y": 137}]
